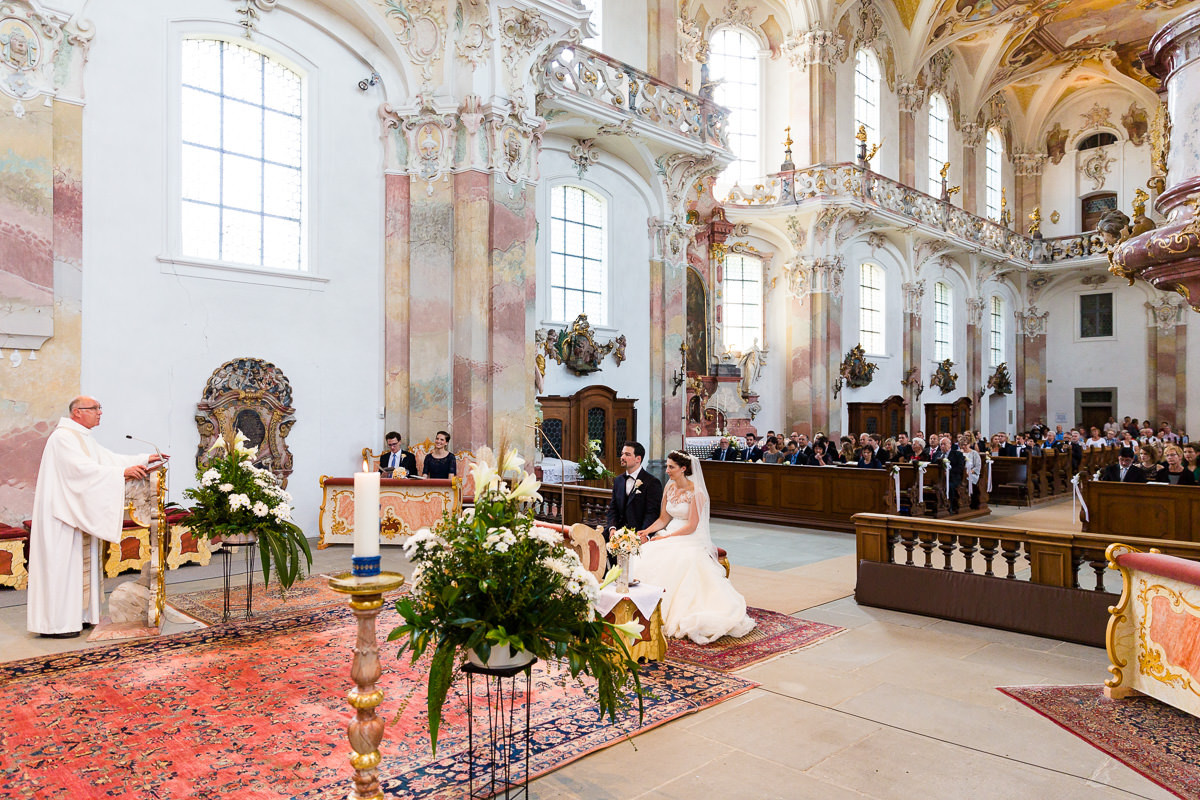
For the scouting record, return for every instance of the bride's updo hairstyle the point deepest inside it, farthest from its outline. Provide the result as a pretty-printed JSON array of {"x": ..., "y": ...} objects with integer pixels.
[{"x": 682, "y": 460}]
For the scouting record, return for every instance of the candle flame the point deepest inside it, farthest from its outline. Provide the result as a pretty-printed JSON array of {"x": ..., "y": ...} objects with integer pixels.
[{"x": 364, "y": 469}]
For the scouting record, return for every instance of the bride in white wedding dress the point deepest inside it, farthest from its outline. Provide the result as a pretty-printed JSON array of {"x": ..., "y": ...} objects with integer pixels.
[{"x": 701, "y": 604}]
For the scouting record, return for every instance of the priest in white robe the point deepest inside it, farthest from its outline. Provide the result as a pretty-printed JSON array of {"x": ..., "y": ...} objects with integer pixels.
[{"x": 80, "y": 499}]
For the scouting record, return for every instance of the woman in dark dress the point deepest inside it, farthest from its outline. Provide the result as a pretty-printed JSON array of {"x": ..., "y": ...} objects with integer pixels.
[
  {"x": 1176, "y": 471},
  {"x": 440, "y": 462}
]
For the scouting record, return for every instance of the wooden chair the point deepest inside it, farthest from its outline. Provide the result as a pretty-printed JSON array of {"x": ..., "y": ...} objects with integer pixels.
[
  {"x": 14, "y": 557},
  {"x": 1019, "y": 481}
]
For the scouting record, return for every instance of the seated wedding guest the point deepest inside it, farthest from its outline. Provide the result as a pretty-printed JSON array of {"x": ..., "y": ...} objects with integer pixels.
[
  {"x": 996, "y": 443},
  {"x": 1095, "y": 440},
  {"x": 958, "y": 468},
  {"x": 805, "y": 448},
  {"x": 866, "y": 458},
  {"x": 772, "y": 456},
  {"x": 1058, "y": 433},
  {"x": 1175, "y": 473},
  {"x": 848, "y": 453},
  {"x": 1191, "y": 459},
  {"x": 754, "y": 451},
  {"x": 1130, "y": 425},
  {"x": 397, "y": 462},
  {"x": 723, "y": 452},
  {"x": 792, "y": 455},
  {"x": 887, "y": 453},
  {"x": 440, "y": 463},
  {"x": 918, "y": 450},
  {"x": 1111, "y": 438},
  {"x": 1165, "y": 434},
  {"x": 1127, "y": 439},
  {"x": 1076, "y": 446},
  {"x": 903, "y": 447},
  {"x": 1124, "y": 470},
  {"x": 1111, "y": 426},
  {"x": 974, "y": 465},
  {"x": 819, "y": 457},
  {"x": 1147, "y": 436},
  {"x": 1148, "y": 461}
]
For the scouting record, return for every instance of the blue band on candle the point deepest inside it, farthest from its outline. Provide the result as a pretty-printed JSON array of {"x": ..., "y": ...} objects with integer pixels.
[{"x": 364, "y": 566}]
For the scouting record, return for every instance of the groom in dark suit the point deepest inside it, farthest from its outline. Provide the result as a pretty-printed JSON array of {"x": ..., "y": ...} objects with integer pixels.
[{"x": 636, "y": 494}]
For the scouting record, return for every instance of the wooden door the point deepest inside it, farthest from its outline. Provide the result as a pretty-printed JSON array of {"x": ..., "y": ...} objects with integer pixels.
[
  {"x": 893, "y": 415},
  {"x": 938, "y": 417},
  {"x": 865, "y": 418}
]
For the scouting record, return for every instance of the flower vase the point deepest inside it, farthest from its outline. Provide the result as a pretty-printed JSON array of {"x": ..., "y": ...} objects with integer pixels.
[
  {"x": 623, "y": 578},
  {"x": 240, "y": 538},
  {"x": 501, "y": 657}
]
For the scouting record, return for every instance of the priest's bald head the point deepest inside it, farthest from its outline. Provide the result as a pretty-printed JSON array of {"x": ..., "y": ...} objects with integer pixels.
[{"x": 85, "y": 410}]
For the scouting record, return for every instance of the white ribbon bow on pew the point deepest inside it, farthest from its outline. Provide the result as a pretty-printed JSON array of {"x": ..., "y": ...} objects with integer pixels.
[{"x": 1078, "y": 495}]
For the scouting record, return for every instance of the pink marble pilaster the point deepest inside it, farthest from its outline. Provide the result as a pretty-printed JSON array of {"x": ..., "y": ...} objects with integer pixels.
[
  {"x": 912, "y": 358},
  {"x": 1034, "y": 396},
  {"x": 908, "y": 148},
  {"x": 473, "y": 365},
  {"x": 799, "y": 410},
  {"x": 431, "y": 310},
  {"x": 396, "y": 311},
  {"x": 974, "y": 370},
  {"x": 1179, "y": 421},
  {"x": 822, "y": 88},
  {"x": 662, "y": 41},
  {"x": 507, "y": 385}
]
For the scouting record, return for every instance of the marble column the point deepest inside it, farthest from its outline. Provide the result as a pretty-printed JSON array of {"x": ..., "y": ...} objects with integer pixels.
[
  {"x": 662, "y": 41},
  {"x": 914, "y": 297},
  {"x": 814, "y": 54},
  {"x": 1030, "y": 379},
  {"x": 1028, "y": 189},
  {"x": 972, "y": 134},
  {"x": 815, "y": 343},
  {"x": 975, "y": 347},
  {"x": 912, "y": 99},
  {"x": 1166, "y": 362}
]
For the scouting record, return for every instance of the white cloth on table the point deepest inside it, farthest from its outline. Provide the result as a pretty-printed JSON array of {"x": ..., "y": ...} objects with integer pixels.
[
  {"x": 701, "y": 604},
  {"x": 80, "y": 490},
  {"x": 645, "y": 597}
]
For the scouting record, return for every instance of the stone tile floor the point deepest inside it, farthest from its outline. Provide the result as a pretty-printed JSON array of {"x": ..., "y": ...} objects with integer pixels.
[{"x": 898, "y": 706}]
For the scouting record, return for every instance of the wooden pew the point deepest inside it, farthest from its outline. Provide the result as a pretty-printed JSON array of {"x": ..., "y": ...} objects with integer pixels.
[
  {"x": 1012, "y": 480},
  {"x": 1157, "y": 510}
]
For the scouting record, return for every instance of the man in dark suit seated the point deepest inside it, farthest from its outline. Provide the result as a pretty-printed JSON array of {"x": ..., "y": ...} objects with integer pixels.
[
  {"x": 805, "y": 448},
  {"x": 636, "y": 494},
  {"x": 397, "y": 462},
  {"x": 753, "y": 451},
  {"x": 958, "y": 466},
  {"x": 1124, "y": 470},
  {"x": 793, "y": 456},
  {"x": 723, "y": 452},
  {"x": 904, "y": 450}
]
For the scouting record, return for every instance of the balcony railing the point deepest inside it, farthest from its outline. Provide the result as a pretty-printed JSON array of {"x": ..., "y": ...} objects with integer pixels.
[
  {"x": 574, "y": 70},
  {"x": 872, "y": 190}
]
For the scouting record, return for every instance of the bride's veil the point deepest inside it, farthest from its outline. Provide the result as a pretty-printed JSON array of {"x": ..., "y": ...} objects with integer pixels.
[{"x": 703, "y": 505}]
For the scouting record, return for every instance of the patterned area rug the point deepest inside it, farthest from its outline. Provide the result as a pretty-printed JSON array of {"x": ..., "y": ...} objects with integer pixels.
[
  {"x": 258, "y": 710},
  {"x": 774, "y": 635},
  {"x": 268, "y": 602},
  {"x": 1146, "y": 735}
]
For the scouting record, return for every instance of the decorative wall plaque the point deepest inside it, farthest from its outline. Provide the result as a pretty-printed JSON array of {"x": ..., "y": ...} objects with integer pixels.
[
  {"x": 943, "y": 378},
  {"x": 576, "y": 347},
  {"x": 1000, "y": 381},
  {"x": 856, "y": 370}
]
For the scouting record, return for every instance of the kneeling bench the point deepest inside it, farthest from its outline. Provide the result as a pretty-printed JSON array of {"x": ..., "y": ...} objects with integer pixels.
[
  {"x": 14, "y": 557},
  {"x": 1153, "y": 636}
]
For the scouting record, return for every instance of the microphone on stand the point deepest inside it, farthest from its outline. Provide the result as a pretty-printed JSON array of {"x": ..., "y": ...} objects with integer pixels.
[{"x": 157, "y": 452}]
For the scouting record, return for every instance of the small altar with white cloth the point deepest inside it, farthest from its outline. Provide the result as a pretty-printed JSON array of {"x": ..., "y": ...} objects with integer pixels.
[
  {"x": 405, "y": 506},
  {"x": 644, "y": 604}
]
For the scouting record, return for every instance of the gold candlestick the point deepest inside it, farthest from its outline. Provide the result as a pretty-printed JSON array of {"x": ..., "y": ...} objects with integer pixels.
[{"x": 366, "y": 729}]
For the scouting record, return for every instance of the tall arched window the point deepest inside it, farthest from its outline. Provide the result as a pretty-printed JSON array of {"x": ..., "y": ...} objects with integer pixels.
[
  {"x": 866, "y": 94},
  {"x": 742, "y": 301},
  {"x": 870, "y": 308},
  {"x": 943, "y": 322},
  {"x": 578, "y": 255},
  {"x": 939, "y": 141},
  {"x": 997, "y": 331},
  {"x": 242, "y": 181},
  {"x": 991, "y": 172},
  {"x": 733, "y": 60}
]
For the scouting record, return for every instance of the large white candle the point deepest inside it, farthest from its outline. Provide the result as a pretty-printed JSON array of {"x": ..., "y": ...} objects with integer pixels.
[{"x": 366, "y": 513}]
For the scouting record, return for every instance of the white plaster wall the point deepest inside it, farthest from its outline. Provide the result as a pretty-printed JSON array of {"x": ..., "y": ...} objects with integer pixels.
[
  {"x": 1073, "y": 363},
  {"x": 996, "y": 409},
  {"x": 626, "y": 31},
  {"x": 886, "y": 381},
  {"x": 628, "y": 273},
  {"x": 954, "y": 277},
  {"x": 151, "y": 339},
  {"x": 1063, "y": 185}
]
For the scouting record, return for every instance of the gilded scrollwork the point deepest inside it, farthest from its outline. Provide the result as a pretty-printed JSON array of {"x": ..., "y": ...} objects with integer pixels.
[
  {"x": 254, "y": 397},
  {"x": 576, "y": 348},
  {"x": 856, "y": 370},
  {"x": 944, "y": 378}
]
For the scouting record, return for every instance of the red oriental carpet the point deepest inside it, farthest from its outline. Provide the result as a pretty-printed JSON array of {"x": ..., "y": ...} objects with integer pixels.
[
  {"x": 309, "y": 594},
  {"x": 773, "y": 635},
  {"x": 1146, "y": 735},
  {"x": 258, "y": 711}
]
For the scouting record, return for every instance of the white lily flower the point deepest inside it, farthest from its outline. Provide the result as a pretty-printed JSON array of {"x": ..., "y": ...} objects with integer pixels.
[
  {"x": 527, "y": 489},
  {"x": 632, "y": 630},
  {"x": 510, "y": 462},
  {"x": 486, "y": 478},
  {"x": 610, "y": 576}
]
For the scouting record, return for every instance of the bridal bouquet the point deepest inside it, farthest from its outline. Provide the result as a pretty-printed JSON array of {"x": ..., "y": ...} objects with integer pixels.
[
  {"x": 489, "y": 581},
  {"x": 625, "y": 542}
]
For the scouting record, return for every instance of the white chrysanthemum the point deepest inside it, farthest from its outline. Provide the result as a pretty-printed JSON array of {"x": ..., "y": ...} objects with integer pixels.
[
  {"x": 424, "y": 535},
  {"x": 210, "y": 477},
  {"x": 237, "y": 501},
  {"x": 226, "y": 487},
  {"x": 282, "y": 513},
  {"x": 547, "y": 535},
  {"x": 574, "y": 587},
  {"x": 260, "y": 509}
]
